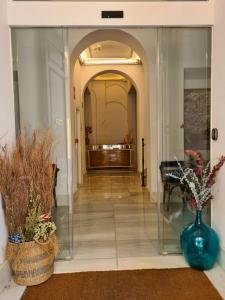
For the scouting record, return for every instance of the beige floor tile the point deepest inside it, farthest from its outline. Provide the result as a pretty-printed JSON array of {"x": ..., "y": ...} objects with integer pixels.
[
  {"x": 95, "y": 249},
  {"x": 82, "y": 265},
  {"x": 154, "y": 262},
  {"x": 134, "y": 248}
]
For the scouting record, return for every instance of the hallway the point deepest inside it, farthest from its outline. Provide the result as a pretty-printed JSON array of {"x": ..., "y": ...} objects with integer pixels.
[
  {"x": 114, "y": 218},
  {"x": 115, "y": 225}
]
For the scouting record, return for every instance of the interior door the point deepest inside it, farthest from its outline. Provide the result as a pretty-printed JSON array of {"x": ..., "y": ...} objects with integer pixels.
[
  {"x": 59, "y": 114},
  {"x": 56, "y": 102},
  {"x": 78, "y": 147}
]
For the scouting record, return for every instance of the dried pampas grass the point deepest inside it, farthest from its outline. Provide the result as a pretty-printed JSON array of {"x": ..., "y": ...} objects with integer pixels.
[{"x": 24, "y": 167}]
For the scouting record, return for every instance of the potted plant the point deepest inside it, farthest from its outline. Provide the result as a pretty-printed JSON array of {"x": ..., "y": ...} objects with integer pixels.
[
  {"x": 199, "y": 242},
  {"x": 26, "y": 187}
]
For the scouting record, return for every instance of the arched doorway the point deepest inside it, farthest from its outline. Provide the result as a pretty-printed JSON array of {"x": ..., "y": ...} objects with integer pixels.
[
  {"x": 110, "y": 117},
  {"x": 139, "y": 78}
]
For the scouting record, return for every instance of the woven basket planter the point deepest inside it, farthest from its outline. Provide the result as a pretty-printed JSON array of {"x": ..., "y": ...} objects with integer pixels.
[{"x": 32, "y": 262}]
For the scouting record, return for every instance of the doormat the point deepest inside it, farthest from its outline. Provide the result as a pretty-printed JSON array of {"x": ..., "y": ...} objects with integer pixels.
[{"x": 153, "y": 284}]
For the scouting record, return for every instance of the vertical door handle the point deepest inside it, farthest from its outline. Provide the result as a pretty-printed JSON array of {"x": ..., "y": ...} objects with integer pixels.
[{"x": 215, "y": 134}]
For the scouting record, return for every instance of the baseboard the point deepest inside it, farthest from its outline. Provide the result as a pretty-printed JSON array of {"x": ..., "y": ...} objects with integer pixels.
[
  {"x": 153, "y": 197},
  {"x": 221, "y": 260},
  {"x": 5, "y": 275},
  {"x": 8, "y": 288}
]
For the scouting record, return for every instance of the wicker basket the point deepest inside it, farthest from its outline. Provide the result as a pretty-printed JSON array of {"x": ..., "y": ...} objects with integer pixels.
[{"x": 32, "y": 262}]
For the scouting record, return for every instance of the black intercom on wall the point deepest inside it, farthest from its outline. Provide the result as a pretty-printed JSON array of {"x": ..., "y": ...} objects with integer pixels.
[{"x": 112, "y": 14}]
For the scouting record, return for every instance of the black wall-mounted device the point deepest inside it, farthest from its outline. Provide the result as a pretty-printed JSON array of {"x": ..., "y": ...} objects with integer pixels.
[
  {"x": 112, "y": 14},
  {"x": 215, "y": 134}
]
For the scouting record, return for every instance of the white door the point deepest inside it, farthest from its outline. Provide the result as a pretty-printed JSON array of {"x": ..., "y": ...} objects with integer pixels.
[
  {"x": 78, "y": 147},
  {"x": 54, "y": 45}
]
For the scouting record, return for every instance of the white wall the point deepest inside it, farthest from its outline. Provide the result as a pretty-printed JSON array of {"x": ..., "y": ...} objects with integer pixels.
[
  {"x": 218, "y": 113},
  {"x": 7, "y": 130},
  {"x": 148, "y": 39},
  {"x": 79, "y": 164},
  {"x": 28, "y": 52}
]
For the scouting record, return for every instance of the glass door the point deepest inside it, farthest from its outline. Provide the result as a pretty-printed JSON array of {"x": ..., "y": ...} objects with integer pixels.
[
  {"x": 184, "y": 126},
  {"x": 41, "y": 100}
]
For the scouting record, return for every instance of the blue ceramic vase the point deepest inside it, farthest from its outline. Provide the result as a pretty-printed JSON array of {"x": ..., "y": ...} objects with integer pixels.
[{"x": 200, "y": 244}]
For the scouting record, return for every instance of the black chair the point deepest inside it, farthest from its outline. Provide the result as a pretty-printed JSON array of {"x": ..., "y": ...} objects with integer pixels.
[
  {"x": 55, "y": 173},
  {"x": 168, "y": 168}
]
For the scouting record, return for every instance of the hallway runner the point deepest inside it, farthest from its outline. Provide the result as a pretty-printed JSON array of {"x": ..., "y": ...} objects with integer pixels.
[{"x": 160, "y": 284}]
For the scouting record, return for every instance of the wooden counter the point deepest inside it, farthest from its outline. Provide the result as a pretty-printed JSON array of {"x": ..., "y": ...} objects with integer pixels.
[{"x": 109, "y": 158}]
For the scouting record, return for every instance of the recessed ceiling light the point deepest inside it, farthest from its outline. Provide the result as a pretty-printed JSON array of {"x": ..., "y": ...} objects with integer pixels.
[{"x": 110, "y": 61}]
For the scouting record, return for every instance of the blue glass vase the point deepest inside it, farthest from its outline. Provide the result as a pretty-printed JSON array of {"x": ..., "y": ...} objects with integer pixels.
[{"x": 200, "y": 244}]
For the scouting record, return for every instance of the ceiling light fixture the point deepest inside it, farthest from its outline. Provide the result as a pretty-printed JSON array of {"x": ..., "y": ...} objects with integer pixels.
[{"x": 109, "y": 61}]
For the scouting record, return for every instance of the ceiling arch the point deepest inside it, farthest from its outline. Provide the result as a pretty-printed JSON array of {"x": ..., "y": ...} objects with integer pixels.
[
  {"x": 105, "y": 35},
  {"x": 110, "y": 70}
]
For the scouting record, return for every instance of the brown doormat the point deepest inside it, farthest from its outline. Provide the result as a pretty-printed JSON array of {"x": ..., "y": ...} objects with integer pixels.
[{"x": 162, "y": 284}]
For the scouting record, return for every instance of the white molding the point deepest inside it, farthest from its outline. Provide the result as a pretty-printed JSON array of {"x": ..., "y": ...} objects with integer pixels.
[
  {"x": 83, "y": 13},
  {"x": 8, "y": 288},
  {"x": 221, "y": 260},
  {"x": 5, "y": 275}
]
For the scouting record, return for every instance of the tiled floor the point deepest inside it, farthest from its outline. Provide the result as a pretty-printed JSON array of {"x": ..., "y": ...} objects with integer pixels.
[{"x": 114, "y": 219}]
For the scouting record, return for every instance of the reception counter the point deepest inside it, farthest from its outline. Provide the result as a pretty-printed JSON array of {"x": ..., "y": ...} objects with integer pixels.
[{"x": 110, "y": 156}]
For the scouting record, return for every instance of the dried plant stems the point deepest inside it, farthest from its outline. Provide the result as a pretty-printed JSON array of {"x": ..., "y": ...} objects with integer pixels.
[{"x": 25, "y": 167}]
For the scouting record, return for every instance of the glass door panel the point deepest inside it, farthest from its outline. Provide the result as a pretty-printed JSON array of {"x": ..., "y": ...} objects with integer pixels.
[
  {"x": 184, "y": 111},
  {"x": 40, "y": 70}
]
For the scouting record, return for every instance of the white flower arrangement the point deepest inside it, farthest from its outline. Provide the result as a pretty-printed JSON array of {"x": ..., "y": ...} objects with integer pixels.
[
  {"x": 44, "y": 230},
  {"x": 199, "y": 179},
  {"x": 198, "y": 185}
]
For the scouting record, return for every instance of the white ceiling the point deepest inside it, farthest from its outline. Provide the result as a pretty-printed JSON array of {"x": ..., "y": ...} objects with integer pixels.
[{"x": 108, "y": 49}]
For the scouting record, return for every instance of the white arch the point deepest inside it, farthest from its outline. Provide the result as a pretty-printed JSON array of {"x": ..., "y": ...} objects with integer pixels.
[
  {"x": 114, "y": 70},
  {"x": 146, "y": 48},
  {"x": 136, "y": 76},
  {"x": 107, "y": 34}
]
